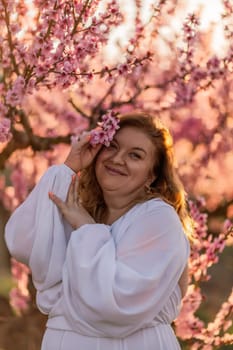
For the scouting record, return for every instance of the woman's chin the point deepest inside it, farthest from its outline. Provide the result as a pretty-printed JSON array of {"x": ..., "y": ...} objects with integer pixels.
[{"x": 111, "y": 188}]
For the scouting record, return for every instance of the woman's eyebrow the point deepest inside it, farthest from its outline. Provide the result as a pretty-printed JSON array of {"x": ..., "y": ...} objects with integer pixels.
[
  {"x": 139, "y": 149},
  {"x": 134, "y": 148}
]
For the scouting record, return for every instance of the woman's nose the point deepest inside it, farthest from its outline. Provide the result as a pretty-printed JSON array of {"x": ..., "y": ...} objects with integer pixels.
[{"x": 118, "y": 157}]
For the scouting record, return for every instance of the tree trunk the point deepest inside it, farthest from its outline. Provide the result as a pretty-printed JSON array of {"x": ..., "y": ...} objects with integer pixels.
[{"x": 4, "y": 254}]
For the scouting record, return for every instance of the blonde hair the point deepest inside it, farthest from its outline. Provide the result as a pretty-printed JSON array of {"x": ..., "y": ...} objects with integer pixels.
[{"x": 166, "y": 185}]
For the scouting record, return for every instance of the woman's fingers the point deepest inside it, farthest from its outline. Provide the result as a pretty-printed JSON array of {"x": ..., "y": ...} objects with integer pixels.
[
  {"x": 75, "y": 189},
  {"x": 59, "y": 203},
  {"x": 82, "y": 153},
  {"x": 80, "y": 156},
  {"x": 93, "y": 150},
  {"x": 70, "y": 194},
  {"x": 83, "y": 139}
]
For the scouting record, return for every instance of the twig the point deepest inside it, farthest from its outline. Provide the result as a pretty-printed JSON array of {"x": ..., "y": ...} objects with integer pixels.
[
  {"x": 78, "y": 109},
  {"x": 10, "y": 41},
  {"x": 77, "y": 21}
]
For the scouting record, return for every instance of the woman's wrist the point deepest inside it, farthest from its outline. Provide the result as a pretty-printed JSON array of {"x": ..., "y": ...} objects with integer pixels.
[{"x": 71, "y": 166}]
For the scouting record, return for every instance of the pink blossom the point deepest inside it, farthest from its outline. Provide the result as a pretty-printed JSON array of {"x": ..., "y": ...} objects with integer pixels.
[
  {"x": 19, "y": 270},
  {"x": 76, "y": 122},
  {"x": 5, "y": 126},
  {"x": 41, "y": 70},
  {"x": 227, "y": 225},
  {"x": 19, "y": 295},
  {"x": 14, "y": 96},
  {"x": 124, "y": 69},
  {"x": 192, "y": 129},
  {"x": 214, "y": 67},
  {"x": 106, "y": 129},
  {"x": 187, "y": 324},
  {"x": 18, "y": 300},
  {"x": 190, "y": 28},
  {"x": 198, "y": 74},
  {"x": 185, "y": 92},
  {"x": 98, "y": 135},
  {"x": 193, "y": 19},
  {"x": 19, "y": 182},
  {"x": 205, "y": 247},
  {"x": 67, "y": 67}
]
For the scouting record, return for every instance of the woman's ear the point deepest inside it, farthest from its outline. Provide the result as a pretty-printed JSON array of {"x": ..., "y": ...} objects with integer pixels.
[
  {"x": 151, "y": 178},
  {"x": 149, "y": 184}
]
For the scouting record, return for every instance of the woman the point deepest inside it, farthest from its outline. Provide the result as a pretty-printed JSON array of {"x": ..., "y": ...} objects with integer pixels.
[{"x": 108, "y": 258}]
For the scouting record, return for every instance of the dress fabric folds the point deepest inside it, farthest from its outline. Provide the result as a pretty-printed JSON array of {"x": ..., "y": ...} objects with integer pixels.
[{"x": 102, "y": 286}]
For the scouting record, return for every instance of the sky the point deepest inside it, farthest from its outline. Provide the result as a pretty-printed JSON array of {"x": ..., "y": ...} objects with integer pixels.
[{"x": 210, "y": 14}]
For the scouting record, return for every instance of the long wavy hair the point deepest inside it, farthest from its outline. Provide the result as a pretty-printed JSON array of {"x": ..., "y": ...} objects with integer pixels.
[{"x": 166, "y": 185}]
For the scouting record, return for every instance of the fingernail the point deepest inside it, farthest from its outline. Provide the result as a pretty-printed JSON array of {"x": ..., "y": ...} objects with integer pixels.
[{"x": 51, "y": 195}]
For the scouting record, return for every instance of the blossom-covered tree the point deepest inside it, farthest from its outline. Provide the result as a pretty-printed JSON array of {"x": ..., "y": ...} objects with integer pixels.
[{"x": 60, "y": 72}]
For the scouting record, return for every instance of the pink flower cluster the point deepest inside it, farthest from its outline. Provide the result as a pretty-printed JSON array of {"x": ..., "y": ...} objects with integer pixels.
[
  {"x": 72, "y": 120},
  {"x": 19, "y": 295},
  {"x": 106, "y": 129},
  {"x": 210, "y": 336},
  {"x": 187, "y": 324},
  {"x": 5, "y": 134},
  {"x": 15, "y": 95},
  {"x": 222, "y": 322},
  {"x": 191, "y": 76},
  {"x": 56, "y": 44},
  {"x": 19, "y": 182},
  {"x": 205, "y": 249},
  {"x": 190, "y": 27}
]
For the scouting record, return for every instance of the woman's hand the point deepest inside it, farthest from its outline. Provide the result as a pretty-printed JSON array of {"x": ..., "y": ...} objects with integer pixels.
[
  {"x": 82, "y": 153},
  {"x": 71, "y": 209},
  {"x": 183, "y": 281}
]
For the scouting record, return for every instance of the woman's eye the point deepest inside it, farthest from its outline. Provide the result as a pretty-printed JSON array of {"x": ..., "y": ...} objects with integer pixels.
[
  {"x": 135, "y": 155},
  {"x": 112, "y": 145}
]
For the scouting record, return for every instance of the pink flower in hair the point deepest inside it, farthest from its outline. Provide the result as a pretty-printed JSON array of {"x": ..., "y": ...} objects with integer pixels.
[{"x": 106, "y": 129}]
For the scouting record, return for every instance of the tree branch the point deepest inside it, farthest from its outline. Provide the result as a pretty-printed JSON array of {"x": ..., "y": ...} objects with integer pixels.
[
  {"x": 99, "y": 104},
  {"x": 77, "y": 21},
  {"x": 21, "y": 141},
  {"x": 10, "y": 41},
  {"x": 78, "y": 109}
]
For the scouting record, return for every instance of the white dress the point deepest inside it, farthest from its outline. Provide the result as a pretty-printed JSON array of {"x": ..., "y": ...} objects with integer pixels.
[{"x": 104, "y": 287}]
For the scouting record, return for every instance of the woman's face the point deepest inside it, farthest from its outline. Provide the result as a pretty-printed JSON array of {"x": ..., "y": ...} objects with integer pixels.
[{"x": 125, "y": 167}]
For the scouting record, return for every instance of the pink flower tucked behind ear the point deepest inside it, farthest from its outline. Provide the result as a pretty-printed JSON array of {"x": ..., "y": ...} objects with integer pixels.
[{"x": 106, "y": 129}]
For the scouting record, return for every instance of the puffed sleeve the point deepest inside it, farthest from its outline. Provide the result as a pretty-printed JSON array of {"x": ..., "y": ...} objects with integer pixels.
[
  {"x": 35, "y": 233},
  {"x": 118, "y": 288}
]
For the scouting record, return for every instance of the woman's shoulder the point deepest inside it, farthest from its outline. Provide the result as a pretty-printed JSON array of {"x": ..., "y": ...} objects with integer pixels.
[
  {"x": 150, "y": 209},
  {"x": 57, "y": 170},
  {"x": 151, "y": 206},
  {"x": 155, "y": 212},
  {"x": 149, "y": 219}
]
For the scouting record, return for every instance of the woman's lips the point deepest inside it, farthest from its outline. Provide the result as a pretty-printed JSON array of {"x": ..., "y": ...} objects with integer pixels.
[{"x": 114, "y": 171}]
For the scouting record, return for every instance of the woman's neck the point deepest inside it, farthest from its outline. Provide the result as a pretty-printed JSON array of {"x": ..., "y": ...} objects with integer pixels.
[
  {"x": 117, "y": 206},
  {"x": 114, "y": 214}
]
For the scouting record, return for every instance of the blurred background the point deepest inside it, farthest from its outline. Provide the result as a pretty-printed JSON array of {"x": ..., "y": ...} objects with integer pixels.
[{"x": 66, "y": 63}]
